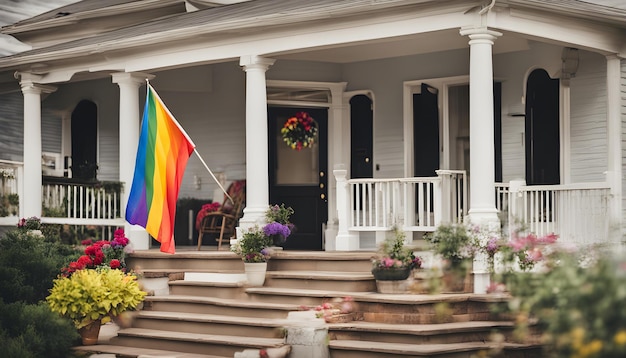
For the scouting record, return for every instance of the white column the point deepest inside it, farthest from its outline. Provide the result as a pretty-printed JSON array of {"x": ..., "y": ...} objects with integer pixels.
[
  {"x": 257, "y": 181},
  {"x": 129, "y": 125},
  {"x": 336, "y": 142},
  {"x": 345, "y": 240},
  {"x": 614, "y": 148},
  {"x": 482, "y": 182},
  {"x": 31, "y": 202}
]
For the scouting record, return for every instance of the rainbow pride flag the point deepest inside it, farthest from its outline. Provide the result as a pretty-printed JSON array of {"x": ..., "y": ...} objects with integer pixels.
[{"x": 162, "y": 155}]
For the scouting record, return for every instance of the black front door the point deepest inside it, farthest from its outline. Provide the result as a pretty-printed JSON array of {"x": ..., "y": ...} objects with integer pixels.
[
  {"x": 299, "y": 178},
  {"x": 542, "y": 129}
]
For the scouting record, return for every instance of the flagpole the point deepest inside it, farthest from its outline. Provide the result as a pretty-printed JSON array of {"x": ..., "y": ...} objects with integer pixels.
[{"x": 213, "y": 175}]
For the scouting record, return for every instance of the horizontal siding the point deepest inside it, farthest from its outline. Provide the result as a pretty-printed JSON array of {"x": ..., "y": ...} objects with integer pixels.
[
  {"x": 50, "y": 132},
  {"x": 12, "y": 124},
  {"x": 623, "y": 96},
  {"x": 588, "y": 120}
]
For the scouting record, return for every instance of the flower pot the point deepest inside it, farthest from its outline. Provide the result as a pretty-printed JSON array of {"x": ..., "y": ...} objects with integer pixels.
[
  {"x": 456, "y": 277},
  {"x": 90, "y": 333},
  {"x": 255, "y": 273},
  {"x": 391, "y": 274}
]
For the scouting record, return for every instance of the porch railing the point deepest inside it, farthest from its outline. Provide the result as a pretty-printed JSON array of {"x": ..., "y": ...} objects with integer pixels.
[
  {"x": 81, "y": 201},
  {"x": 10, "y": 174},
  {"x": 578, "y": 213},
  {"x": 414, "y": 204}
]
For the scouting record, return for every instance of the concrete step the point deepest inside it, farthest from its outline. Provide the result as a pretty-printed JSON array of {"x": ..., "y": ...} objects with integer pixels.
[
  {"x": 232, "y": 290},
  {"x": 185, "y": 261},
  {"x": 203, "y": 323},
  {"x": 365, "y": 349},
  {"x": 220, "y": 306},
  {"x": 454, "y": 332},
  {"x": 425, "y": 309},
  {"x": 294, "y": 296},
  {"x": 196, "y": 343},
  {"x": 132, "y": 352},
  {"x": 311, "y": 261},
  {"x": 322, "y": 280}
]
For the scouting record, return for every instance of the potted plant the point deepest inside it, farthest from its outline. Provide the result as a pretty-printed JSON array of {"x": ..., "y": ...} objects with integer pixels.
[
  {"x": 90, "y": 297},
  {"x": 456, "y": 247},
  {"x": 278, "y": 226},
  {"x": 254, "y": 251},
  {"x": 102, "y": 254},
  {"x": 394, "y": 262}
]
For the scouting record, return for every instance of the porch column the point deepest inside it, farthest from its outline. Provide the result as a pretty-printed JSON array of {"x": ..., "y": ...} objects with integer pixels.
[
  {"x": 129, "y": 125},
  {"x": 31, "y": 201},
  {"x": 257, "y": 181},
  {"x": 614, "y": 148},
  {"x": 482, "y": 210}
]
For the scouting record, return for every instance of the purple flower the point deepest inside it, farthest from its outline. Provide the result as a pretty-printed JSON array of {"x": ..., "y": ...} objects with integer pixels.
[
  {"x": 275, "y": 228},
  {"x": 492, "y": 246}
]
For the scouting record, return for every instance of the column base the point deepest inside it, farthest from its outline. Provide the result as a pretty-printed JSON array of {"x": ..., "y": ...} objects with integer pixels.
[
  {"x": 347, "y": 242},
  {"x": 137, "y": 236}
]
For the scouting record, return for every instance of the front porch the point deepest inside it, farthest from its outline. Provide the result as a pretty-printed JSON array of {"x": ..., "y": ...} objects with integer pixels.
[{"x": 579, "y": 214}]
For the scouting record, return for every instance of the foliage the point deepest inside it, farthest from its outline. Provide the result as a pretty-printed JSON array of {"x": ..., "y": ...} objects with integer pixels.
[
  {"x": 578, "y": 302},
  {"x": 31, "y": 223},
  {"x": 34, "y": 331},
  {"x": 299, "y": 131},
  {"x": 253, "y": 246},
  {"x": 278, "y": 226},
  {"x": 9, "y": 204},
  {"x": 279, "y": 214},
  {"x": 94, "y": 294},
  {"x": 102, "y": 254},
  {"x": 393, "y": 254},
  {"x": 453, "y": 242},
  {"x": 28, "y": 264},
  {"x": 526, "y": 250}
]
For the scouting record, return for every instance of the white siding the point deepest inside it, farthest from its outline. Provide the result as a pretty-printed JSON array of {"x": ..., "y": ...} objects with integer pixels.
[
  {"x": 623, "y": 91},
  {"x": 588, "y": 120},
  {"x": 12, "y": 126}
]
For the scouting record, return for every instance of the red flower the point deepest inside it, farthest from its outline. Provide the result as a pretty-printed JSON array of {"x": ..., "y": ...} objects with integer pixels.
[{"x": 115, "y": 263}]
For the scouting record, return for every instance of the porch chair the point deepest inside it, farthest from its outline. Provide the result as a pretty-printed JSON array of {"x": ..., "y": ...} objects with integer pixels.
[{"x": 224, "y": 221}]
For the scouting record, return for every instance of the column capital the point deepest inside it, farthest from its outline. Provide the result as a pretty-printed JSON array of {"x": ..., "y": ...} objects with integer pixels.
[
  {"x": 29, "y": 83},
  {"x": 254, "y": 61},
  {"x": 480, "y": 34},
  {"x": 131, "y": 77}
]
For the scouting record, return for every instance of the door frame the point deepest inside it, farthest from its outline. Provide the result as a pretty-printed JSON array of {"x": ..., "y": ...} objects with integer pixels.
[
  {"x": 409, "y": 88},
  {"x": 338, "y": 128}
]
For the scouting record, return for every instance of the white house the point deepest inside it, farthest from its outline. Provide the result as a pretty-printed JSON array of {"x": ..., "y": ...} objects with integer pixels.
[{"x": 428, "y": 110}]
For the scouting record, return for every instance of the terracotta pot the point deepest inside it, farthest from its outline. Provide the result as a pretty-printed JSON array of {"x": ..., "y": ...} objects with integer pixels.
[
  {"x": 456, "y": 276},
  {"x": 90, "y": 333},
  {"x": 391, "y": 274}
]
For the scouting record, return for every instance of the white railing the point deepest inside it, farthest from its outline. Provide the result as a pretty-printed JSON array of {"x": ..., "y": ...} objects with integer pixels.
[
  {"x": 414, "y": 204},
  {"x": 80, "y": 201},
  {"x": 10, "y": 174},
  {"x": 577, "y": 213}
]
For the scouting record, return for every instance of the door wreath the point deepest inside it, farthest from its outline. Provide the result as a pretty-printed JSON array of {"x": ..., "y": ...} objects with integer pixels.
[{"x": 299, "y": 131}]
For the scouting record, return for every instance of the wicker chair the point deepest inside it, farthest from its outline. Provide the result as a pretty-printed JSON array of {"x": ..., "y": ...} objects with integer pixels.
[{"x": 224, "y": 221}]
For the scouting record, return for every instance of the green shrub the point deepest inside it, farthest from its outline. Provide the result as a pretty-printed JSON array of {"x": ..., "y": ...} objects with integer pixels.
[
  {"x": 28, "y": 264},
  {"x": 34, "y": 331},
  {"x": 578, "y": 304}
]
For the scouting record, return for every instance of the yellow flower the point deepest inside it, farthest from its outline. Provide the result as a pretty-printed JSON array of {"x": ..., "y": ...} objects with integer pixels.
[{"x": 620, "y": 338}]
